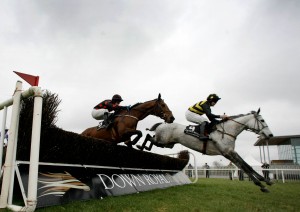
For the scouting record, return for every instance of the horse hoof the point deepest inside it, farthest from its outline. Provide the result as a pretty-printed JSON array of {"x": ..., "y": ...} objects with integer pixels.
[
  {"x": 269, "y": 183},
  {"x": 133, "y": 142},
  {"x": 265, "y": 190},
  {"x": 140, "y": 147}
]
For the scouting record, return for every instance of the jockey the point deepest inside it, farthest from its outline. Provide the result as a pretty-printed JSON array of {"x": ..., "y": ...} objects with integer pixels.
[
  {"x": 195, "y": 112},
  {"x": 103, "y": 110}
]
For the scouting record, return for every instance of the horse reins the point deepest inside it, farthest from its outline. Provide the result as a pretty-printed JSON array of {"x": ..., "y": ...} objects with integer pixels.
[
  {"x": 256, "y": 123},
  {"x": 247, "y": 128},
  {"x": 127, "y": 116},
  {"x": 155, "y": 112}
]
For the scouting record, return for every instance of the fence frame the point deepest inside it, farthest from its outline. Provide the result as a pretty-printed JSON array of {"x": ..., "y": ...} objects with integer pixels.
[{"x": 10, "y": 159}]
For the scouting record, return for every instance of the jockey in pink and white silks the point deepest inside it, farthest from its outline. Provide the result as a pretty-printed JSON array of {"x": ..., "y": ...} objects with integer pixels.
[{"x": 195, "y": 114}]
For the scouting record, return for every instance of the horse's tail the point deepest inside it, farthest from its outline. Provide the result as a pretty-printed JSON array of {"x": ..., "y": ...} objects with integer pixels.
[{"x": 154, "y": 126}]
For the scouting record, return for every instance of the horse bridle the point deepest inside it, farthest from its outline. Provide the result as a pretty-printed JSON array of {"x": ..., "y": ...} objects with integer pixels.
[
  {"x": 158, "y": 108},
  {"x": 256, "y": 123}
]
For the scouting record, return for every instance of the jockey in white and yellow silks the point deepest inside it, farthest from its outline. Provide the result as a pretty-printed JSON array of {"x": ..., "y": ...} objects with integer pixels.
[{"x": 195, "y": 114}]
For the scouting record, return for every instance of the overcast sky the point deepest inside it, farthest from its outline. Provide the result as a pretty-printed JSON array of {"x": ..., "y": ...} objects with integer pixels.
[{"x": 85, "y": 51}]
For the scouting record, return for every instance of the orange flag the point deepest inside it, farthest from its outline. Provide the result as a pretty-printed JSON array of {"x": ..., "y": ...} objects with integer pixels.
[{"x": 32, "y": 80}]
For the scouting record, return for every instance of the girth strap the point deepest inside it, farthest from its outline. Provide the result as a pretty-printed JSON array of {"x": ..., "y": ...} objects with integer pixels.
[
  {"x": 204, "y": 147},
  {"x": 223, "y": 132}
]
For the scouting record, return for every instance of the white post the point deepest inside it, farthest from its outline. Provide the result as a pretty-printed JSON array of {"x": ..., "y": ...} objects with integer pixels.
[
  {"x": 9, "y": 163},
  {"x": 2, "y": 135},
  {"x": 268, "y": 152},
  {"x": 12, "y": 180},
  {"x": 195, "y": 167},
  {"x": 35, "y": 150},
  {"x": 260, "y": 154},
  {"x": 282, "y": 176},
  {"x": 264, "y": 154}
]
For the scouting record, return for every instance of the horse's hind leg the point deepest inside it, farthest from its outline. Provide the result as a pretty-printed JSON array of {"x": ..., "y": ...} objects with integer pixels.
[
  {"x": 148, "y": 137},
  {"x": 156, "y": 144},
  {"x": 149, "y": 147}
]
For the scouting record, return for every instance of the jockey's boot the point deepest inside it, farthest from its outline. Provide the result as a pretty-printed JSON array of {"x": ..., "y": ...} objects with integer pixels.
[
  {"x": 202, "y": 129},
  {"x": 110, "y": 119},
  {"x": 105, "y": 122}
]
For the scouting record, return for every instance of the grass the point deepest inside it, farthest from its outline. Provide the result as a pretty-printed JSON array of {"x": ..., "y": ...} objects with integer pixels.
[{"x": 205, "y": 195}]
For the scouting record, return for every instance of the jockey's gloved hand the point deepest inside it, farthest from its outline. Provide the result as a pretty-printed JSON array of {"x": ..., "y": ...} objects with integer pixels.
[
  {"x": 124, "y": 108},
  {"x": 224, "y": 116}
]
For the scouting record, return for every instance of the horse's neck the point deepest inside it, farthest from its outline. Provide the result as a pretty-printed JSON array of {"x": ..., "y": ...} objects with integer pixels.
[
  {"x": 235, "y": 126},
  {"x": 143, "y": 110}
]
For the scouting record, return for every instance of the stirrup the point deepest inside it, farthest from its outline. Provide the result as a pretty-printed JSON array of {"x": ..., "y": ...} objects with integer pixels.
[{"x": 101, "y": 126}]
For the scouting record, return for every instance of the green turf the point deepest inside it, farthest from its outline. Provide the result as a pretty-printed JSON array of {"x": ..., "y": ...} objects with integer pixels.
[{"x": 206, "y": 195}]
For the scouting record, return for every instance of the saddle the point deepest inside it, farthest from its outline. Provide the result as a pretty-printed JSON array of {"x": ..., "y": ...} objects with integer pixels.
[{"x": 194, "y": 130}]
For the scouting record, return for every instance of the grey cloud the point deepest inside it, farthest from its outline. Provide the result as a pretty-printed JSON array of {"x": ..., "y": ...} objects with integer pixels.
[{"x": 246, "y": 51}]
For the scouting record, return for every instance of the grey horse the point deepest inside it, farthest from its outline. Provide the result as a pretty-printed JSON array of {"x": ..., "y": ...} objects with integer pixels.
[{"x": 221, "y": 140}]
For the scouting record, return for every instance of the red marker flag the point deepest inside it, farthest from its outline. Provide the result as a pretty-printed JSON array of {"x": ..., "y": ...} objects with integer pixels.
[{"x": 32, "y": 80}]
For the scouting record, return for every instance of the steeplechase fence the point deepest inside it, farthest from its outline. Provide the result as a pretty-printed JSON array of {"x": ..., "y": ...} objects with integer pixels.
[
  {"x": 51, "y": 165},
  {"x": 9, "y": 165}
]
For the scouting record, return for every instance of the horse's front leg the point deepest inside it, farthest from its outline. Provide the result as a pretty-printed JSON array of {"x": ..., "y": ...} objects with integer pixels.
[
  {"x": 240, "y": 163},
  {"x": 139, "y": 134},
  {"x": 128, "y": 143},
  {"x": 128, "y": 134},
  {"x": 142, "y": 147},
  {"x": 258, "y": 176},
  {"x": 253, "y": 172}
]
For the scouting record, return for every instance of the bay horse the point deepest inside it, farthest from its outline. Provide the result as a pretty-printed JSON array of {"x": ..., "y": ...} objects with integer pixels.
[
  {"x": 221, "y": 140},
  {"x": 125, "y": 122}
]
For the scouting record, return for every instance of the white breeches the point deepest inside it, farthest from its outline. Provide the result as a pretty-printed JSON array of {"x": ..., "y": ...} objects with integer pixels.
[
  {"x": 194, "y": 117},
  {"x": 98, "y": 114}
]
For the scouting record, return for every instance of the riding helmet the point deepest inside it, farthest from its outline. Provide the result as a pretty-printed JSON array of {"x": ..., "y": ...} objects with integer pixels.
[
  {"x": 117, "y": 98},
  {"x": 213, "y": 97}
]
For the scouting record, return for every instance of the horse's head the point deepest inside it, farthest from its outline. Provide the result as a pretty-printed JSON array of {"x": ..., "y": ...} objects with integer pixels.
[
  {"x": 162, "y": 110},
  {"x": 260, "y": 126}
]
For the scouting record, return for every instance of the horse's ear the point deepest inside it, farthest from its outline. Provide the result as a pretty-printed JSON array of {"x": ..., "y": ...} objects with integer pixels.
[
  {"x": 258, "y": 111},
  {"x": 159, "y": 97}
]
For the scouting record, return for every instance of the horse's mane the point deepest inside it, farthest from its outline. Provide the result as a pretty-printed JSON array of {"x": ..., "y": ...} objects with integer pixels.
[
  {"x": 236, "y": 116},
  {"x": 241, "y": 115},
  {"x": 136, "y": 104}
]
